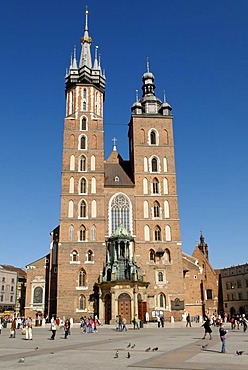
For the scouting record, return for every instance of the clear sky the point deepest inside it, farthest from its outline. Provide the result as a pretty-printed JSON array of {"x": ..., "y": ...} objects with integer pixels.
[{"x": 198, "y": 52}]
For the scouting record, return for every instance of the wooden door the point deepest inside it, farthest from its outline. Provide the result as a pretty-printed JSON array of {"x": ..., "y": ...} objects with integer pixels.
[{"x": 124, "y": 307}]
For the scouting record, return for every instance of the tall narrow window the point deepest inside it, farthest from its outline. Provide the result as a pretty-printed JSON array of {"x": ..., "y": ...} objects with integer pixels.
[
  {"x": 120, "y": 212},
  {"x": 71, "y": 233},
  {"x": 167, "y": 233},
  {"x": 74, "y": 257},
  {"x": 160, "y": 277},
  {"x": 82, "y": 278},
  {"x": 162, "y": 300},
  {"x": 84, "y": 106},
  {"x": 147, "y": 233},
  {"x": 83, "y": 124},
  {"x": 83, "y": 186},
  {"x": 93, "y": 208},
  {"x": 93, "y": 163},
  {"x": 156, "y": 209},
  {"x": 165, "y": 186},
  {"x": 146, "y": 213},
  {"x": 82, "y": 233},
  {"x": 166, "y": 209},
  {"x": 152, "y": 255},
  {"x": 145, "y": 164},
  {"x": 72, "y": 163},
  {"x": 70, "y": 208},
  {"x": 93, "y": 185},
  {"x": 82, "y": 302},
  {"x": 165, "y": 165},
  {"x": 84, "y": 93},
  {"x": 145, "y": 186},
  {"x": 90, "y": 256},
  {"x": 154, "y": 164},
  {"x": 82, "y": 163},
  {"x": 71, "y": 186},
  {"x": 82, "y": 143},
  {"x": 153, "y": 137},
  {"x": 82, "y": 209},
  {"x": 93, "y": 232},
  {"x": 155, "y": 186},
  {"x": 157, "y": 233}
]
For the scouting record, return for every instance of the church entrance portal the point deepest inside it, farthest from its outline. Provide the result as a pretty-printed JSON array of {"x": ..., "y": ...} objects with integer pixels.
[{"x": 124, "y": 306}]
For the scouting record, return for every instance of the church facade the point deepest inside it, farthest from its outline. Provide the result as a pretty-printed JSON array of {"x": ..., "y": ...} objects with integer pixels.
[{"x": 117, "y": 250}]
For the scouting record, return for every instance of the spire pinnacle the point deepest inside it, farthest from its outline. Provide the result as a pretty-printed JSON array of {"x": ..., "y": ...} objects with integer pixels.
[
  {"x": 147, "y": 64},
  {"x": 137, "y": 95},
  {"x": 164, "y": 96},
  {"x": 114, "y": 146}
]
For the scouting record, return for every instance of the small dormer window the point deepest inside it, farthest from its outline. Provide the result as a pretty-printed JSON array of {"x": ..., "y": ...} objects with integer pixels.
[{"x": 117, "y": 179}]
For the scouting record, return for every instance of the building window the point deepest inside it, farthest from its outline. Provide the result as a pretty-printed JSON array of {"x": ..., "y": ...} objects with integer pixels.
[
  {"x": 3, "y": 288},
  {"x": 155, "y": 186},
  {"x": 84, "y": 106},
  {"x": 12, "y": 288},
  {"x": 38, "y": 295},
  {"x": 12, "y": 280},
  {"x": 84, "y": 93},
  {"x": 71, "y": 233},
  {"x": 167, "y": 256},
  {"x": 11, "y": 298},
  {"x": 154, "y": 164},
  {"x": 83, "y": 186},
  {"x": 3, "y": 279},
  {"x": 83, "y": 124},
  {"x": 156, "y": 209},
  {"x": 152, "y": 255},
  {"x": 1, "y": 297},
  {"x": 82, "y": 142},
  {"x": 239, "y": 285},
  {"x": 160, "y": 277},
  {"x": 82, "y": 278},
  {"x": 167, "y": 233},
  {"x": 162, "y": 300},
  {"x": 82, "y": 233},
  {"x": 90, "y": 256},
  {"x": 153, "y": 137},
  {"x": 157, "y": 233},
  {"x": 82, "y": 302},
  {"x": 240, "y": 296},
  {"x": 120, "y": 212},
  {"x": 82, "y": 209},
  {"x": 209, "y": 294},
  {"x": 147, "y": 233},
  {"x": 74, "y": 256},
  {"x": 82, "y": 164}
]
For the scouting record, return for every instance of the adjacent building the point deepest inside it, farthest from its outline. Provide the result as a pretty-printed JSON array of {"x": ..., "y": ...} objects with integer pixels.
[{"x": 234, "y": 289}]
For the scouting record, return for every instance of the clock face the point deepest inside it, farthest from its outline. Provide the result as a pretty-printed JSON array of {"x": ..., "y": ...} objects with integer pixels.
[{"x": 38, "y": 293}]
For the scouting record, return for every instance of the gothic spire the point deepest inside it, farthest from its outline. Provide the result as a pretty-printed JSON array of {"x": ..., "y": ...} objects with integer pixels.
[{"x": 86, "y": 40}]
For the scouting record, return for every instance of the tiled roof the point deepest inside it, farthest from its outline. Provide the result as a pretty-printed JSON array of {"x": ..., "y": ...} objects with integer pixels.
[
  {"x": 20, "y": 271},
  {"x": 117, "y": 172}
]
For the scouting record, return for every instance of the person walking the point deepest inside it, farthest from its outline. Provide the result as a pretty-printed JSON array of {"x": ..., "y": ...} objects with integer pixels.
[
  {"x": 188, "y": 320},
  {"x": 13, "y": 329},
  {"x": 29, "y": 329},
  {"x": 207, "y": 328},
  {"x": 53, "y": 329},
  {"x": 67, "y": 328},
  {"x": 124, "y": 324},
  {"x": 223, "y": 334}
]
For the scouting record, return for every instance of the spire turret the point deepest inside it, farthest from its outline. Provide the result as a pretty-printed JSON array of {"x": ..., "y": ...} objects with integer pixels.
[{"x": 86, "y": 40}]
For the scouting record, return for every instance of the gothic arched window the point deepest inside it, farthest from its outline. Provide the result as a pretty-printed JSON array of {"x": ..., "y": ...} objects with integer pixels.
[
  {"x": 152, "y": 255},
  {"x": 153, "y": 137},
  {"x": 82, "y": 278},
  {"x": 83, "y": 186},
  {"x": 84, "y": 124},
  {"x": 120, "y": 212},
  {"x": 82, "y": 163},
  {"x": 82, "y": 233},
  {"x": 154, "y": 164},
  {"x": 82, "y": 209},
  {"x": 82, "y": 302},
  {"x": 155, "y": 186},
  {"x": 156, "y": 209},
  {"x": 157, "y": 233}
]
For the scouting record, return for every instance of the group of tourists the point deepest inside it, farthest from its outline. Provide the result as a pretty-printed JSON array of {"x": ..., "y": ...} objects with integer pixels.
[{"x": 89, "y": 325}]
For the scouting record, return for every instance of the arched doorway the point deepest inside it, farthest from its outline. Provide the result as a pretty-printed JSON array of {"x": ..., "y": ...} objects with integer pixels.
[
  {"x": 107, "y": 308},
  {"x": 142, "y": 308},
  {"x": 124, "y": 306}
]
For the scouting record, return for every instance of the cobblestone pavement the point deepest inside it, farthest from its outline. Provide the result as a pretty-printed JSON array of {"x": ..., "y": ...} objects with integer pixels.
[{"x": 178, "y": 348}]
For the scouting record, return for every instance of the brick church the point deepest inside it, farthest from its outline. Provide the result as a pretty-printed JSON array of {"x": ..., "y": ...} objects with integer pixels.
[{"x": 117, "y": 250}]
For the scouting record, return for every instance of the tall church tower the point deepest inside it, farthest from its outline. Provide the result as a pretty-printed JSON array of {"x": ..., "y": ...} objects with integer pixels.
[
  {"x": 119, "y": 248},
  {"x": 156, "y": 221},
  {"x": 82, "y": 199}
]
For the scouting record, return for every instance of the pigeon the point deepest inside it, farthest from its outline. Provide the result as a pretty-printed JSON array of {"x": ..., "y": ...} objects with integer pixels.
[
  {"x": 204, "y": 346},
  {"x": 52, "y": 353},
  {"x": 148, "y": 349},
  {"x": 128, "y": 355},
  {"x": 239, "y": 353},
  {"x": 21, "y": 360},
  {"x": 116, "y": 354},
  {"x": 133, "y": 346},
  {"x": 129, "y": 345},
  {"x": 36, "y": 348},
  {"x": 155, "y": 349}
]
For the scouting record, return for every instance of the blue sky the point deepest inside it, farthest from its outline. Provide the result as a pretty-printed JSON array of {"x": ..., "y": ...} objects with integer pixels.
[{"x": 198, "y": 52}]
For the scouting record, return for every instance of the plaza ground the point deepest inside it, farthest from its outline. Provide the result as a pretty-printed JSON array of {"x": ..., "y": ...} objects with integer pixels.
[{"x": 178, "y": 348}]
